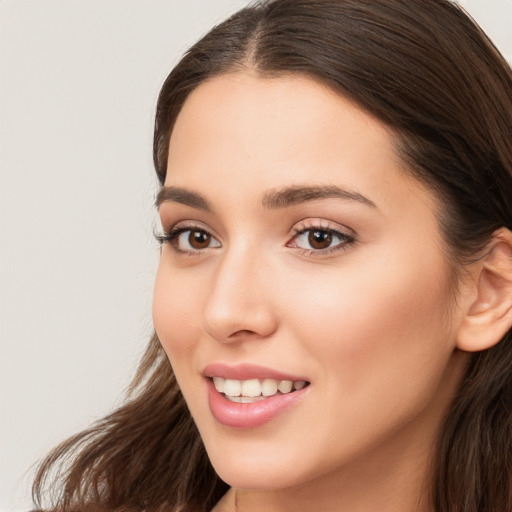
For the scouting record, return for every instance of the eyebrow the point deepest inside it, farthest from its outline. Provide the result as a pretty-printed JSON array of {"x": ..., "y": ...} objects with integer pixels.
[
  {"x": 272, "y": 199},
  {"x": 182, "y": 196},
  {"x": 296, "y": 195}
]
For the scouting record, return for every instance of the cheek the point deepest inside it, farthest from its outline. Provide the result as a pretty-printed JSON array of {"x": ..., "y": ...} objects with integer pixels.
[
  {"x": 368, "y": 324},
  {"x": 379, "y": 346},
  {"x": 177, "y": 304}
]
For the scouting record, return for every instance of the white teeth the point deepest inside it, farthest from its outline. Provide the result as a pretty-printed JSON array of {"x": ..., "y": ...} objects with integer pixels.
[
  {"x": 299, "y": 384},
  {"x": 218, "y": 382},
  {"x": 245, "y": 399},
  {"x": 269, "y": 387},
  {"x": 285, "y": 386},
  {"x": 252, "y": 390},
  {"x": 232, "y": 387}
]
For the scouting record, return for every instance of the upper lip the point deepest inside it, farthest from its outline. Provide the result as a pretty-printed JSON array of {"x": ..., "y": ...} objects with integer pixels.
[{"x": 246, "y": 371}]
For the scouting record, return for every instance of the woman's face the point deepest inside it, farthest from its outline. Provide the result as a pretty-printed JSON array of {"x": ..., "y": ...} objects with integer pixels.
[{"x": 300, "y": 255}]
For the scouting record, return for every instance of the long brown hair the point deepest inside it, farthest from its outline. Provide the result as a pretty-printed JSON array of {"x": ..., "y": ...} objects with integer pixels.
[{"x": 428, "y": 72}]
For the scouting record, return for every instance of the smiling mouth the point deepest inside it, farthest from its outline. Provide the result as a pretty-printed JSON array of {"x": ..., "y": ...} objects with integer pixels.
[{"x": 255, "y": 390}]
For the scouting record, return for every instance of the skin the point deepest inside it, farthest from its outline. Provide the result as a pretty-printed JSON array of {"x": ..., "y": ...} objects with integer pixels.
[{"x": 372, "y": 323}]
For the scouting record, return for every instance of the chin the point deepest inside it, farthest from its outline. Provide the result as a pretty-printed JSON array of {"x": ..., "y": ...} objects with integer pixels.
[
  {"x": 260, "y": 477},
  {"x": 259, "y": 467}
]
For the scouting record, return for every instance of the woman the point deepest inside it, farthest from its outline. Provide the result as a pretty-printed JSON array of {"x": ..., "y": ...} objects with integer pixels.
[{"x": 335, "y": 286}]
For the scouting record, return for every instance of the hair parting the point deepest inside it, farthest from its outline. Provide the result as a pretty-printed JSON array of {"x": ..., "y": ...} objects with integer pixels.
[{"x": 428, "y": 72}]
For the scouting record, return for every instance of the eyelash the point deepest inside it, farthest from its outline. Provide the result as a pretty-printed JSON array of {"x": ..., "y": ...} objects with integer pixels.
[
  {"x": 346, "y": 240},
  {"x": 171, "y": 235}
]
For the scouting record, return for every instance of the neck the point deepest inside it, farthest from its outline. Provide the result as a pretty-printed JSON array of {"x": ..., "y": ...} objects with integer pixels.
[{"x": 362, "y": 487}]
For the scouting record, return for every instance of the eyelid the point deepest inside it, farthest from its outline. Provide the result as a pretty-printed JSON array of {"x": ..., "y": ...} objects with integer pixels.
[
  {"x": 345, "y": 234},
  {"x": 173, "y": 232},
  {"x": 321, "y": 224}
]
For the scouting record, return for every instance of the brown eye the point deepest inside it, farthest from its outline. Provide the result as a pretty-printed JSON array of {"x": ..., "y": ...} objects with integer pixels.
[
  {"x": 319, "y": 239},
  {"x": 192, "y": 240},
  {"x": 199, "y": 239}
]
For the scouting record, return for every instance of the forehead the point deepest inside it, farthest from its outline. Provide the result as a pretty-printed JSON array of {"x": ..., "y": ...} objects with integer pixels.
[
  {"x": 247, "y": 108},
  {"x": 249, "y": 134}
]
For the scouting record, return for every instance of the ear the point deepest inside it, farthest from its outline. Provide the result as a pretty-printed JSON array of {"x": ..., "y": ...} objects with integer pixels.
[{"x": 489, "y": 313}]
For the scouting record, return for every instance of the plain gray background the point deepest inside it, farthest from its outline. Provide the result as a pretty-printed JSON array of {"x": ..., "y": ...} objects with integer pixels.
[{"x": 79, "y": 81}]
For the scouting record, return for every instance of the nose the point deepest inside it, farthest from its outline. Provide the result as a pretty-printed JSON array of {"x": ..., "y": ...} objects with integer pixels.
[{"x": 240, "y": 305}]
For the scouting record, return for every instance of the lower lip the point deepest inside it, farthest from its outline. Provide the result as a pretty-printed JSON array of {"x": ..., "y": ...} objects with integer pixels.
[{"x": 237, "y": 415}]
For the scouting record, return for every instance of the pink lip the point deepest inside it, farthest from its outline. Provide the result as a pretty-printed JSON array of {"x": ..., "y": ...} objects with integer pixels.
[
  {"x": 246, "y": 371},
  {"x": 238, "y": 415}
]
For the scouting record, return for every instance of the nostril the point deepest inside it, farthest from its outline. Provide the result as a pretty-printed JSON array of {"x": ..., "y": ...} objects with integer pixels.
[{"x": 243, "y": 332}]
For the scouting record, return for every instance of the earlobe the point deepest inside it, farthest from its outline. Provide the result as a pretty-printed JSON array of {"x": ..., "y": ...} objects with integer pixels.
[{"x": 489, "y": 316}]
